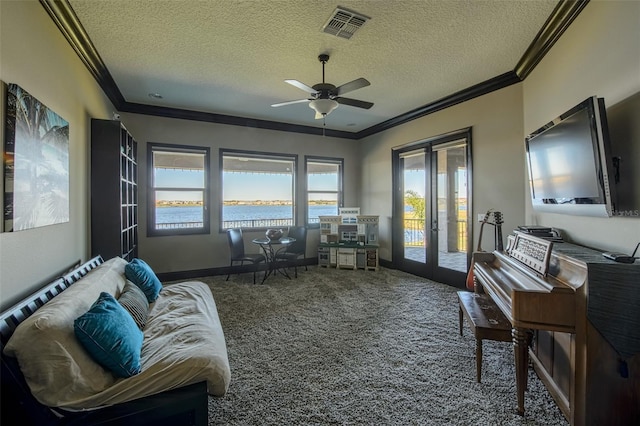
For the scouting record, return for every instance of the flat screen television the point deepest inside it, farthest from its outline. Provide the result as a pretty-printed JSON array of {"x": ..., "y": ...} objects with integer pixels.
[{"x": 570, "y": 164}]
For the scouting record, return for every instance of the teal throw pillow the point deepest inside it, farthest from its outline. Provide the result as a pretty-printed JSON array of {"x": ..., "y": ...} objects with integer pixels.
[
  {"x": 111, "y": 336},
  {"x": 138, "y": 272}
]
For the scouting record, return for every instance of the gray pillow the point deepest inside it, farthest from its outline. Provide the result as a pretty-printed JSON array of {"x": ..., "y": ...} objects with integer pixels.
[{"x": 134, "y": 301}]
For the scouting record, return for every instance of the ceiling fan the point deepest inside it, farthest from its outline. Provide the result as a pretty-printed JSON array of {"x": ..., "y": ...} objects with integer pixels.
[{"x": 326, "y": 97}]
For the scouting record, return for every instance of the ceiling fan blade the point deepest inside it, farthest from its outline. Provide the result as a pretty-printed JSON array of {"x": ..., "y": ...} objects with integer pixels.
[
  {"x": 299, "y": 101},
  {"x": 352, "y": 85},
  {"x": 354, "y": 103},
  {"x": 302, "y": 86}
]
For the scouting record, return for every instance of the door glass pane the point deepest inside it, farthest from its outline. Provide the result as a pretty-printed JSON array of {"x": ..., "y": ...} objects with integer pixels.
[
  {"x": 452, "y": 216},
  {"x": 414, "y": 190}
]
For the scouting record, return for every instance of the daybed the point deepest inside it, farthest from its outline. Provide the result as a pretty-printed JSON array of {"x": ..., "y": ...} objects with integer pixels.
[{"x": 48, "y": 372}]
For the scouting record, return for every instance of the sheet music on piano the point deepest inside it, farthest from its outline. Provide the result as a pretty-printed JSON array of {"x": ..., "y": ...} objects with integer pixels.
[{"x": 531, "y": 251}]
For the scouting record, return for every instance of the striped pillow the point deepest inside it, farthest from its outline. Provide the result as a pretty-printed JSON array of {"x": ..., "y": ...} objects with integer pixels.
[{"x": 135, "y": 302}]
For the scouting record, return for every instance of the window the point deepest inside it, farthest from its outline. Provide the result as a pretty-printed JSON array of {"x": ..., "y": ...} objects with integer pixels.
[
  {"x": 178, "y": 200},
  {"x": 324, "y": 187},
  {"x": 257, "y": 189}
]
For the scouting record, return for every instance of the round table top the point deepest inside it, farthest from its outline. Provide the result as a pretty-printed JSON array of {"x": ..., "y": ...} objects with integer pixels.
[{"x": 267, "y": 241}]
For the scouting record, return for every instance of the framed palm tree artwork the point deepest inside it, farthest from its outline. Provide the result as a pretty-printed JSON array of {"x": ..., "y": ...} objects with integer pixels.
[{"x": 36, "y": 163}]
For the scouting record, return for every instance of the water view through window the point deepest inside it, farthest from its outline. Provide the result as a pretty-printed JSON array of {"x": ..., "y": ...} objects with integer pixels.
[
  {"x": 257, "y": 190},
  {"x": 179, "y": 190},
  {"x": 324, "y": 187}
]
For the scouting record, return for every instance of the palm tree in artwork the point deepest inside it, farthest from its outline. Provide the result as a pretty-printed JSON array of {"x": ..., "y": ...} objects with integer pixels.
[{"x": 40, "y": 183}]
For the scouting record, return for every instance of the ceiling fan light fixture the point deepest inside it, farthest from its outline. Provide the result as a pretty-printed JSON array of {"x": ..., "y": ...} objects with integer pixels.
[{"x": 323, "y": 106}]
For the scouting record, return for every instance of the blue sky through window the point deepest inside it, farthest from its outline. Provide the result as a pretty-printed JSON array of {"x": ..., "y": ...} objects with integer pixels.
[{"x": 257, "y": 186}]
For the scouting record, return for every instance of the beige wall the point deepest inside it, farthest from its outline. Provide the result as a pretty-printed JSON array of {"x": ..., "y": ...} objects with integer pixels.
[
  {"x": 193, "y": 252},
  {"x": 598, "y": 55},
  {"x": 35, "y": 55},
  {"x": 497, "y": 153}
]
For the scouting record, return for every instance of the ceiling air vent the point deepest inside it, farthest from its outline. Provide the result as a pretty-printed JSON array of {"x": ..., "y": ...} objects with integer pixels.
[{"x": 344, "y": 23}]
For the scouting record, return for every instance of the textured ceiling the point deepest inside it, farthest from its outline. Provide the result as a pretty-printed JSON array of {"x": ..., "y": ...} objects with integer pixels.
[{"x": 231, "y": 57}]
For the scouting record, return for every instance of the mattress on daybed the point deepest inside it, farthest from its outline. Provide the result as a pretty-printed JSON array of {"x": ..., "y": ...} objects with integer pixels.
[{"x": 183, "y": 344}]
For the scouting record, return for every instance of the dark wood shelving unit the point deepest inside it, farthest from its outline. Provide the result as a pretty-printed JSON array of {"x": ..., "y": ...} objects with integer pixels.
[{"x": 114, "y": 191}]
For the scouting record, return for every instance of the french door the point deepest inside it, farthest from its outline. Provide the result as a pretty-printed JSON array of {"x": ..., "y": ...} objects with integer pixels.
[{"x": 432, "y": 207}]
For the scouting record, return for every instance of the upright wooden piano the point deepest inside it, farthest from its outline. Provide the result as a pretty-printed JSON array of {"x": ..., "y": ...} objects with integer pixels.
[{"x": 576, "y": 317}]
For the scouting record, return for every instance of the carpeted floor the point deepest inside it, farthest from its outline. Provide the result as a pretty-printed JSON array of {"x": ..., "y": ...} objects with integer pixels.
[{"x": 356, "y": 347}]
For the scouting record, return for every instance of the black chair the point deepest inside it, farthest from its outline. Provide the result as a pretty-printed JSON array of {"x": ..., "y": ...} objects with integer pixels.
[
  {"x": 298, "y": 248},
  {"x": 237, "y": 254}
]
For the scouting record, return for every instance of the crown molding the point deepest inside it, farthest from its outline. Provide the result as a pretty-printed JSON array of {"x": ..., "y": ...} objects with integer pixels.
[
  {"x": 179, "y": 113},
  {"x": 488, "y": 86},
  {"x": 559, "y": 20},
  {"x": 66, "y": 20},
  {"x": 562, "y": 16}
]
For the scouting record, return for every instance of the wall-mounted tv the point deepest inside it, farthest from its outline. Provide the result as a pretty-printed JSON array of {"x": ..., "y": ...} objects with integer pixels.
[{"x": 570, "y": 164}]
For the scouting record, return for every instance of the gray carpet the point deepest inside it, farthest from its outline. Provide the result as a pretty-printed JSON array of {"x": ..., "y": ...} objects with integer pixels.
[{"x": 356, "y": 347}]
